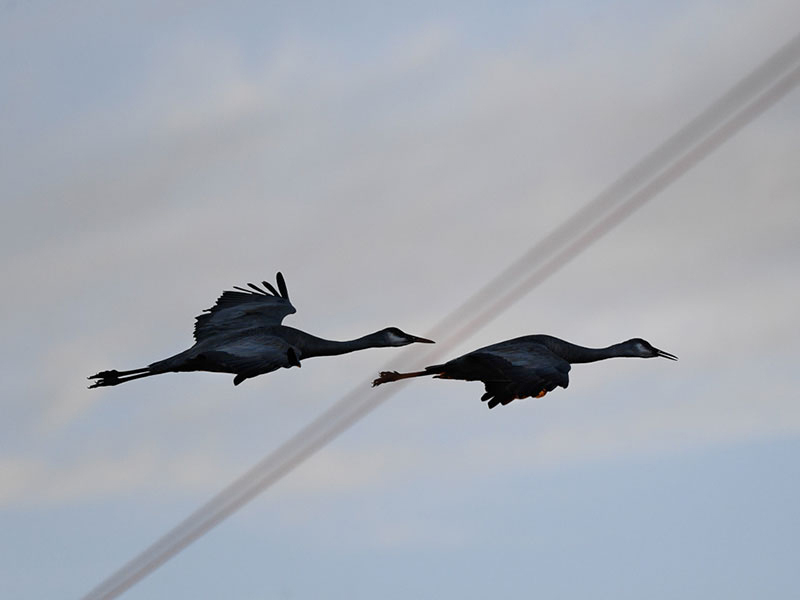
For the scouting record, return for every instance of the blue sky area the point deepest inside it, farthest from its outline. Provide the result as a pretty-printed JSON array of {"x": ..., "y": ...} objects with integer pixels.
[{"x": 390, "y": 161}]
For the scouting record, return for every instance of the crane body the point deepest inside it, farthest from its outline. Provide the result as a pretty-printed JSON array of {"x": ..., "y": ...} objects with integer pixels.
[
  {"x": 242, "y": 334},
  {"x": 524, "y": 367}
]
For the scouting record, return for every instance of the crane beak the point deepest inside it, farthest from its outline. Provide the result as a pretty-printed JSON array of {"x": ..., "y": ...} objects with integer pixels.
[
  {"x": 663, "y": 354},
  {"x": 421, "y": 340}
]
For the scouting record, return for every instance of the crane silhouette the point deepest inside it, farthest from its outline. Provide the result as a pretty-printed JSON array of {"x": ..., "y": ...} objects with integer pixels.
[
  {"x": 242, "y": 334},
  {"x": 524, "y": 367}
]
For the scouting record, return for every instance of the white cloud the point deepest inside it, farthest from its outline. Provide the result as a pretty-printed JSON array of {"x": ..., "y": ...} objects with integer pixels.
[{"x": 34, "y": 482}]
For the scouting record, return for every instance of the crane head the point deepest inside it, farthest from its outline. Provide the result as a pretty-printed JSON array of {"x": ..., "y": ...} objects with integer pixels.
[
  {"x": 644, "y": 349},
  {"x": 392, "y": 336}
]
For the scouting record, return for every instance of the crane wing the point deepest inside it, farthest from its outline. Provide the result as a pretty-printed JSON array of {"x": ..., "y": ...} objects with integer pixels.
[
  {"x": 253, "y": 354},
  {"x": 237, "y": 311},
  {"x": 512, "y": 371}
]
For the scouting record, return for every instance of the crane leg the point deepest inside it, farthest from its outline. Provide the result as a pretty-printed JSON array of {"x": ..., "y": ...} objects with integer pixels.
[
  {"x": 387, "y": 376},
  {"x": 114, "y": 377}
]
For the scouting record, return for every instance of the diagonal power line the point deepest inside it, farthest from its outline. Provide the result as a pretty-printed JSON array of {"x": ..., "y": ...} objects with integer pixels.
[{"x": 748, "y": 99}]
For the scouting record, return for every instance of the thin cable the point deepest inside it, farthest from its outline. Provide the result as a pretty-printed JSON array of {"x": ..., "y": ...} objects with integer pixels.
[
  {"x": 649, "y": 167},
  {"x": 560, "y": 257},
  {"x": 746, "y": 101}
]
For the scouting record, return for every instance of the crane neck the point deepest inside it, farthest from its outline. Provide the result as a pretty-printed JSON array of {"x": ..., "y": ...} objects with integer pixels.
[
  {"x": 573, "y": 353},
  {"x": 311, "y": 345}
]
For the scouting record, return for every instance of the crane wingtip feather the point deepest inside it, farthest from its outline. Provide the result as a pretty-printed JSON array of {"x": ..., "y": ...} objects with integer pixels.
[
  {"x": 270, "y": 287},
  {"x": 282, "y": 285}
]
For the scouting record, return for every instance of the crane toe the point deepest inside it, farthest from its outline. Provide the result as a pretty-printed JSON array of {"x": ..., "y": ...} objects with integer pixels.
[{"x": 386, "y": 377}]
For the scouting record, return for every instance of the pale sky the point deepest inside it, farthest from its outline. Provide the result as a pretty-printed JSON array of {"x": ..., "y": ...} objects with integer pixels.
[{"x": 389, "y": 161}]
